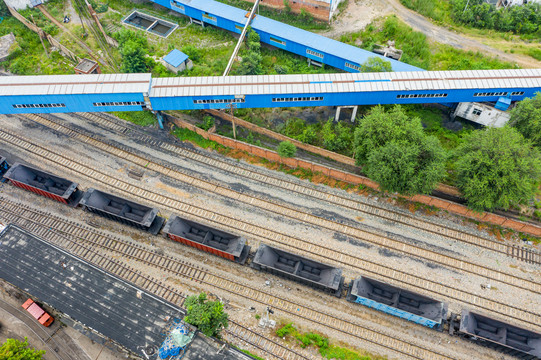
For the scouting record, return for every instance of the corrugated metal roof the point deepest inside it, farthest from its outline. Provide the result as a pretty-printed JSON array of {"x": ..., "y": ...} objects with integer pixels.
[
  {"x": 175, "y": 58},
  {"x": 323, "y": 44},
  {"x": 314, "y": 41},
  {"x": 74, "y": 84},
  {"x": 358, "y": 82},
  {"x": 217, "y": 8}
]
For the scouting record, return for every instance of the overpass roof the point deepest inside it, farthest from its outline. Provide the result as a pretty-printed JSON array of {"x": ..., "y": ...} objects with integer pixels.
[
  {"x": 74, "y": 84},
  {"x": 345, "y": 82},
  {"x": 317, "y": 42},
  {"x": 351, "y": 53}
]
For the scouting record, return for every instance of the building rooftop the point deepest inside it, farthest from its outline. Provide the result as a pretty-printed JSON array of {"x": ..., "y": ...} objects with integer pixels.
[
  {"x": 111, "y": 306},
  {"x": 175, "y": 58},
  {"x": 86, "y": 66}
]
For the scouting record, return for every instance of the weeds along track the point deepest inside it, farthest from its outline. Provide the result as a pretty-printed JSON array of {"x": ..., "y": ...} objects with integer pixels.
[
  {"x": 516, "y": 251},
  {"x": 299, "y": 215},
  {"x": 342, "y": 258},
  {"x": 93, "y": 245}
]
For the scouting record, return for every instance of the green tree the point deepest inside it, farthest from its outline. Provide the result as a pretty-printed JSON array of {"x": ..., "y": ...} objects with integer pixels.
[
  {"x": 193, "y": 52},
  {"x": 497, "y": 168},
  {"x": 208, "y": 316},
  {"x": 408, "y": 167},
  {"x": 397, "y": 153},
  {"x": 252, "y": 39},
  {"x": 337, "y": 137},
  {"x": 376, "y": 64},
  {"x": 251, "y": 60},
  {"x": 526, "y": 118},
  {"x": 14, "y": 349},
  {"x": 308, "y": 136},
  {"x": 133, "y": 48},
  {"x": 286, "y": 149},
  {"x": 133, "y": 58},
  {"x": 125, "y": 35},
  {"x": 379, "y": 127}
]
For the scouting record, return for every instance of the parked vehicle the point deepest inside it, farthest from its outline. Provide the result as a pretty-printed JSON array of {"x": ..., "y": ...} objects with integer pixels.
[{"x": 38, "y": 313}]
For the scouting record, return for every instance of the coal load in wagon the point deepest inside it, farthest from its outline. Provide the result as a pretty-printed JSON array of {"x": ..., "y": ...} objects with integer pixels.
[
  {"x": 398, "y": 302},
  {"x": 299, "y": 268},
  {"x": 206, "y": 238},
  {"x": 122, "y": 210},
  {"x": 44, "y": 184}
]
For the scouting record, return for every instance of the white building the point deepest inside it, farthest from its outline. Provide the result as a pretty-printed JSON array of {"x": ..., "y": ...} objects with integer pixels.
[{"x": 482, "y": 114}]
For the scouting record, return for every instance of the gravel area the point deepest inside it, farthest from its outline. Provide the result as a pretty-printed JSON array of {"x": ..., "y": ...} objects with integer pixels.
[{"x": 239, "y": 306}]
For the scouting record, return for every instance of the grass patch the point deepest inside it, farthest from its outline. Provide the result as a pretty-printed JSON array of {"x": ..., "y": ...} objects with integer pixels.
[
  {"x": 432, "y": 117},
  {"x": 321, "y": 342},
  {"x": 31, "y": 59},
  {"x": 209, "y": 48},
  {"x": 188, "y": 135},
  {"x": 418, "y": 51},
  {"x": 248, "y": 353},
  {"x": 438, "y": 10},
  {"x": 141, "y": 118},
  {"x": 535, "y": 53},
  {"x": 443, "y": 11}
]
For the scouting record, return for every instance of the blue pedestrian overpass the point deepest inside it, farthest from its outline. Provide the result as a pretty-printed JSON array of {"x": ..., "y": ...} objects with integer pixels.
[{"x": 135, "y": 92}]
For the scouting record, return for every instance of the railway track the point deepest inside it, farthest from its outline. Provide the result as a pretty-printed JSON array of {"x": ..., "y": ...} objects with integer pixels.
[
  {"x": 276, "y": 350},
  {"x": 48, "y": 231},
  {"x": 96, "y": 243},
  {"x": 519, "y": 252},
  {"x": 373, "y": 237},
  {"x": 401, "y": 278}
]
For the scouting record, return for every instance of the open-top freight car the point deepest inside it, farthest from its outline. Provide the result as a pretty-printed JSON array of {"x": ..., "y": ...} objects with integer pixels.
[
  {"x": 398, "y": 302},
  {"x": 298, "y": 268},
  {"x": 122, "y": 210},
  {"x": 44, "y": 184},
  {"x": 208, "y": 239},
  {"x": 509, "y": 339}
]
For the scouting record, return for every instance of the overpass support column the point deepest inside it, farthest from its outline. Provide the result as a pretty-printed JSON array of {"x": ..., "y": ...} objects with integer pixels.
[
  {"x": 160, "y": 119},
  {"x": 353, "y": 112}
]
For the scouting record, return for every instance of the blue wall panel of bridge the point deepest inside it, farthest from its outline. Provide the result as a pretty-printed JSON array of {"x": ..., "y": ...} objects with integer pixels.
[
  {"x": 69, "y": 103},
  {"x": 332, "y": 99}
]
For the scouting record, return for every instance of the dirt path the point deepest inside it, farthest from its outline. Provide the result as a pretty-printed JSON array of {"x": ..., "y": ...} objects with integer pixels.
[{"x": 360, "y": 13}]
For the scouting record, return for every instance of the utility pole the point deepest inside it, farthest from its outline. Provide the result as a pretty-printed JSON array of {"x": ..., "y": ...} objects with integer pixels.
[{"x": 232, "y": 107}]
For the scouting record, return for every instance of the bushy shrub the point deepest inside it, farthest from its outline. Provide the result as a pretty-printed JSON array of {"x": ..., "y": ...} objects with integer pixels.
[
  {"x": 208, "y": 122},
  {"x": 285, "y": 330},
  {"x": 286, "y": 149}
]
